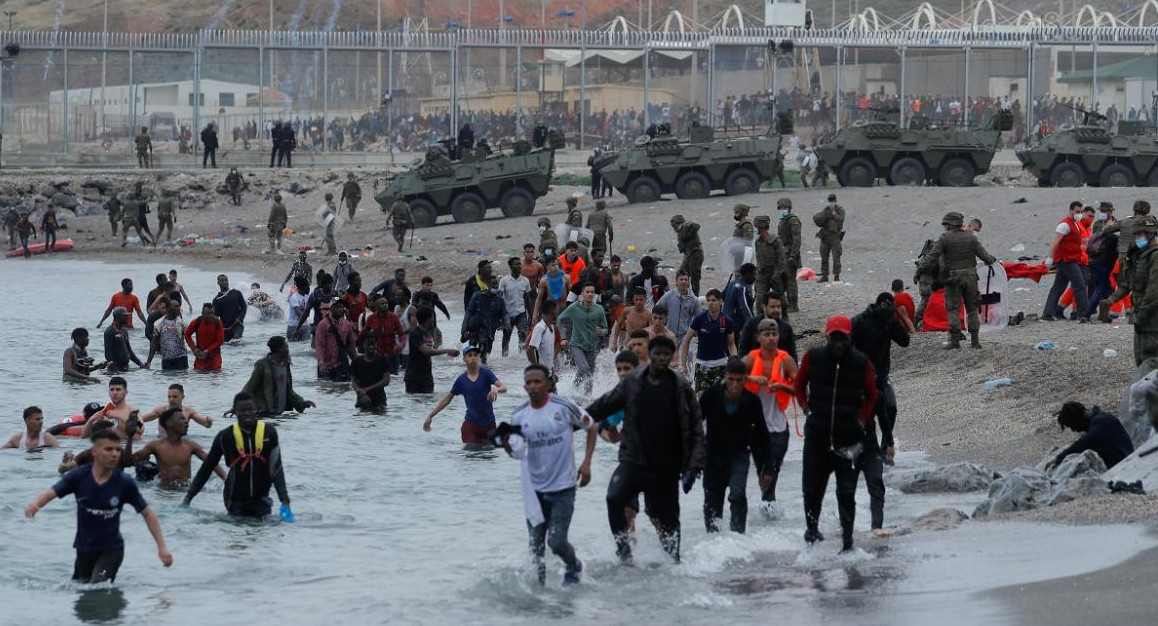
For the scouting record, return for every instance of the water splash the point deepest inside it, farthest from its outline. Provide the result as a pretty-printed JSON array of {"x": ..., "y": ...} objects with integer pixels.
[{"x": 48, "y": 63}]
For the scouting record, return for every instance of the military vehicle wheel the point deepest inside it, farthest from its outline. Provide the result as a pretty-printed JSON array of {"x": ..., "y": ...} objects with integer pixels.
[
  {"x": 643, "y": 189},
  {"x": 957, "y": 173},
  {"x": 907, "y": 171},
  {"x": 741, "y": 181},
  {"x": 424, "y": 213},
  {"x": 858, "y": 172},
  {"x": 693, "y": 185},
  {"x": 517, "y": 202},
  {"x": 1117, "y": 175},
  {"x": 468, "y": 207},
  {"x": 1068, "y": 175}
]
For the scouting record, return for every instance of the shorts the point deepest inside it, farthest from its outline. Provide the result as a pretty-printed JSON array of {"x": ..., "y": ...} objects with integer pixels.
[
  {"x": 420, "y": 386},
  {"x": 235, "y": 331},
  {"x": 708, "y": 376},
  {"x": 179, "y": 363},
  {"x": 473, "y": 433},
  {"x": 97, "y": 567},
  {"x": 260, "y": 507}
]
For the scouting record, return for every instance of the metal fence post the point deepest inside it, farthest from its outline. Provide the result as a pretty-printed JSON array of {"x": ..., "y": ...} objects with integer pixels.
[
  {"x": 325, "y": 97},
  {"x": 965, "y": 104},
  {"x": 904, "y": 117},
  {"x": 64, "y": 102},
  {"x": 839, "y": 95}
]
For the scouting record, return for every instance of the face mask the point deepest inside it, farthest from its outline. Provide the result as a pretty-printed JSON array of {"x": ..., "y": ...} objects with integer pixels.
[
  {"x": 1086, "y": 221},
  {"x": 542, "y": 229},
  {"x": 784, "y": 214},
  {"x": 1101, "y": 217},
  {"x": 1077, "y": 217},
  {"x": 737, "y": 217},
  {"x": 1141, "y": 242}
]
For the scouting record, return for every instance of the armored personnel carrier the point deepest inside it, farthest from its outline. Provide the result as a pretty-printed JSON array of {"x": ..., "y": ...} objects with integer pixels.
[
  {"x": 736, "y": 160},
  {"x": 861, "y": 153},
  {"x": 1089, "y": 154},
  {"x": 466, "y": 182}
]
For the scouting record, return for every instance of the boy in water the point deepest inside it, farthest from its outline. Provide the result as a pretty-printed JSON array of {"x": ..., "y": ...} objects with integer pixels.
[
  {"x": 33, "y": 437},
  {"x": 78, "y": 365},
  {"x": 174, "y": 453},
  {"x": 479, "y": 387},
  {"x": 176, "y": 399},
  {"x": 102, "y": 491},
  {"x": 541, "y": 436},
  {"x": 369, "y": 375},
  {"x": 658, "y": 326},
  {"x": 117, "y": 411}
]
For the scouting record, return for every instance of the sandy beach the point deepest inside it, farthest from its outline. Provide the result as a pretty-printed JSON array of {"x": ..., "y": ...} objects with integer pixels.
[{"x": 943, "y": 407}]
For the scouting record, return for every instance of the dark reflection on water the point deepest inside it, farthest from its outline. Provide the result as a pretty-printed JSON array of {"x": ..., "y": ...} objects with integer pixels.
[{"x": 97, "y": 606}]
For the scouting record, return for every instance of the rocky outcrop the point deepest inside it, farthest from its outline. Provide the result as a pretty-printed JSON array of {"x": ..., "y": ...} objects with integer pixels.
[{"x": 955, "y": 478}]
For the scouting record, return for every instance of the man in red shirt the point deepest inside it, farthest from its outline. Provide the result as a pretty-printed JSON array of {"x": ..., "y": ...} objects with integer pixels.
[
  {"x": 355, "y": 299},
  {"x": 906, "y": 308},
  {"x": 205, "y": 335},
  {"x": 387, "y": 329},
  {"x": 1065, "y": 254},
  {"x": 125, "y": 299}
]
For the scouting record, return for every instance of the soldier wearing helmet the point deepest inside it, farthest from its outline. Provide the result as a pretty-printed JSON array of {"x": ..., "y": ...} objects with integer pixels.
[
  {"x": 789, "y": 231},
  {"x": 1145, "y": 287},
  {"x": 743, "y": 228},
  {"x": 1127, "y": 254},
  {"x": 955, "y": 252},
  {"x": 689, "y": 244}
]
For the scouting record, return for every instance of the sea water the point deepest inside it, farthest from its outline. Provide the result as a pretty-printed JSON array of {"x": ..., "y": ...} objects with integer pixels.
[{"x": 395, "y": 525}]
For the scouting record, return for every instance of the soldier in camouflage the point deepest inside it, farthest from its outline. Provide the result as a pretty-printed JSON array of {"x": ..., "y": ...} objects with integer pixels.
[
  {"x": 771, "y": 261},
  {"x": 1127, "y": 253},
  {"x": 548, "y": 241},
  {"x": 144, "y": 148},
  {"x": 926, "y": 280},
  {"x": 743, "y": 229},
  {"x": 789, "y": 230},
  {"x": 400, "y": 219},
  {"x": 574, "y": 215},
  {"x": 830, "y": 221},
  {"x": 599, "y": 221},
  {"x": 688, "y": 242},
  {"x": 1145, "y": 287},
  {"x": 955, "y": 252}
]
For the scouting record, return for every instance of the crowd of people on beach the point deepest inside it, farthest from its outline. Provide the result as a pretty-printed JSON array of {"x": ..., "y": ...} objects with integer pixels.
[{"x": 709, "y": 383}]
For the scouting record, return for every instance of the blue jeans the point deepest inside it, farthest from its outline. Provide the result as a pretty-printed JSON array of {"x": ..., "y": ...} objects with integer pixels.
[
  {"x": 584, "y": 366},
  {"x": 728, "y": 472},
  {"x": 1102, "y": 287},
  {"x": 558, "y": 506}
]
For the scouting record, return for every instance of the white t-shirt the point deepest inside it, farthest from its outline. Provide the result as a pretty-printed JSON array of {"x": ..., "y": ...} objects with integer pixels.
[
  {"x": 549, "y": 455},
  {"x": 543, "y": 340},
  {"x": 513, "y": 289},
  {"x": 295, "y": 300},
  {"x": 774, "y": 418},
  {"x": 1063, "y": 228}
]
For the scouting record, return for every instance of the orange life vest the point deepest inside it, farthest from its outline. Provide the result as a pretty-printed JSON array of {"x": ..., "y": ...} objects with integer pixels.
[{"x": 783, "y": 398}]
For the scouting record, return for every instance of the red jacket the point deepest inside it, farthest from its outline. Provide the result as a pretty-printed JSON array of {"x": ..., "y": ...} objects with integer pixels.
[
  {"x": 1069, "y": 249},
  {"x": 210, "y": 339},
  {"x": 387, "y": 332}
]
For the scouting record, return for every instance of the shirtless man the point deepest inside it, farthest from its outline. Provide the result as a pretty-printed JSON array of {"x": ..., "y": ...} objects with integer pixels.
[
  {"x": 78, "y": 365},
  {"x": 174, "y": 453},
  {"x": 116, "y": 411},
  {"x": 33, "y": 437},
  {"x": 555, "y": 285},
  {"x": 176, "y": 401},
  {"x": 635, "y": 318},
  {"x": 637, "y": 344},
  {"x": 179, "y": 288},
  {"x": 659, "y": 323}
]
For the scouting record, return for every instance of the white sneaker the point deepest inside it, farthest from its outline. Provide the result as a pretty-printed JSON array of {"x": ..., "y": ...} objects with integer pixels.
[{"x": 771, "y": 510}]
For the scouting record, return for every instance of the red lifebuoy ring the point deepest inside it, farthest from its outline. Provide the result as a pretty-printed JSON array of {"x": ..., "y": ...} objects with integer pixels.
[{"x": 74, "y": 431}]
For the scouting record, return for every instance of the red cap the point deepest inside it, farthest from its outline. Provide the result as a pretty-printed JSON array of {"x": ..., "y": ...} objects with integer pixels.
[{"x": 838, "y": 324}]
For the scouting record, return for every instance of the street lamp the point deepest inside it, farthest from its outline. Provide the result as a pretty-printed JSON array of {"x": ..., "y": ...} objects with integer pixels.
[
  {"x": 10, "y": 15},
  {"x": 11, "y": 51}
]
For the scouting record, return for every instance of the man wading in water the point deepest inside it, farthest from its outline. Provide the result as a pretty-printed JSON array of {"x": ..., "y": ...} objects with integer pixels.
[{"x": 251, "y": 452}]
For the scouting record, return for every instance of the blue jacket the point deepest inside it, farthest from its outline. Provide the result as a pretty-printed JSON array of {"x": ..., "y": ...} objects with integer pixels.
[
  {"x": 736, "y": 305},
  {"x": 484, "y": 313}
]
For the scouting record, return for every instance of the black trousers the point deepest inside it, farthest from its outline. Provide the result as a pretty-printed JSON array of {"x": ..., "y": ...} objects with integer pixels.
[
  {"x": 662, "y": 500},
  {"x": 819, "y": 464},
  {"x": 873, "y": 467},
  {"x": 771, "y": 466},
  {"x": 209, "y": 156}
]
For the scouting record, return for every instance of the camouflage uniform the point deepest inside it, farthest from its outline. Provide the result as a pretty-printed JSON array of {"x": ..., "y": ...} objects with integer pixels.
[
  {"x": 743, "y": 229},
  {"x": 115, "y": 209},
  {"x": 1145, "y": 288},
  {"x": 789, "y": 231},
  {"x": 831, "y": 224},
  {"x": 10, "y": 220},
  {"x": 1126, "y": 256},
  {"x": 599, "y": 221},
  {"x": 956, "y": 251},
  {"x": 401, "y": 219},
  {"x": 771, "y": 261},
  {"x": 926, "y": 279},
  {"x": 166, "y": 215},
  {"x": 351, "y": 194},
  {"x": 144, "y": 149},
  {"x": 548, "y": 241},
  {"x": 574, "y": 215},
  {"x": 688, "y": 242}
]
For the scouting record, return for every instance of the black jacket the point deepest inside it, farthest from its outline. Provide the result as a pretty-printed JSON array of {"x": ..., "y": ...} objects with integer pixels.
[
  {"x": 209, "y": 139},
  {"x": 750, "y": 337},
  {"x": 737, "y": 433},
  {"x": 838, "y": 392},
  {"x": 628, "y": 396},
  {"x": 1106, "y": 436},
  {"x": 872, "y": 337}
]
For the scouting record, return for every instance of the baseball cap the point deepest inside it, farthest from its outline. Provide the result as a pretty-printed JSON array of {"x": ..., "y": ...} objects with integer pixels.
[
  {"x": 483, "y": 263},
  {"x": 838, "y": 324},
  {"x": 92, "y": 408},
  {"x": 832, "y": 197},
  {"x": 466, "y": 347}
]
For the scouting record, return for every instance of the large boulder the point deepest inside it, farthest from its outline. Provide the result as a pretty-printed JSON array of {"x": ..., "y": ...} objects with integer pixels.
[
  {"x": 99, "y": 183},
  {"x": 1139, "y": 409},
  {"x": 65, "y": 201},
  {"x": 940, "y": 519},
  {"x": 955, "y": 478},
  {"x": 299, "y": 189},
  {"x": 1022, "y": 490},
  {"x": 1141, "y": 465},
  {"x": 89, "y": 209},
  {"x": 1086, "y": 464},
  {"x": 48, "y": 191},
  {"x": 1075, "y": 488}
]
